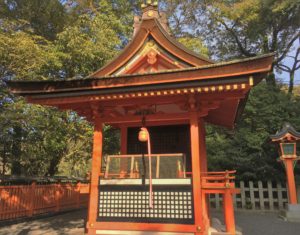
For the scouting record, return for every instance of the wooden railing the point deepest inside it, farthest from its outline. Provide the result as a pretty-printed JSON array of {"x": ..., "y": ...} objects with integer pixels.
[
  {"x": 256, "y": 195},
  {"x": 217, "y": 182},
  {"x": 222, "y": 183},
  {"x": 19, "y": 201}
]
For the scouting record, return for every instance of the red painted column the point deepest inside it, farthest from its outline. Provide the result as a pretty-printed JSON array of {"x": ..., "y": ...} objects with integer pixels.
[
  {"x": 203, "y": 165},
  {"x": 289, "y": 167},
  {"x": 203, "y": 155},
  {"x": 228, "y": 210},
  {"x": 201, "y": 228},
  {"x": 95, "y": 172}
]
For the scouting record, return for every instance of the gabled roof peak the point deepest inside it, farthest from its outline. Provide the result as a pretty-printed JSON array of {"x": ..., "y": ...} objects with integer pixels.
[{"x": 150, "y": 11}]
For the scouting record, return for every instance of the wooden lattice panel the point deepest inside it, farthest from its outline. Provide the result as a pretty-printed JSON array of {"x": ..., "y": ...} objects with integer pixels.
[{"x": 124, "y": 203}]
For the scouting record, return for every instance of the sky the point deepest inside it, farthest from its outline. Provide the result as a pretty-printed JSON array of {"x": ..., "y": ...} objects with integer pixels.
[{"x": 289, "y": 62}]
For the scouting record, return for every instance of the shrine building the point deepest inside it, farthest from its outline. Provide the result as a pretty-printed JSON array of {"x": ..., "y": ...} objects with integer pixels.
[{"x": 159, "y": 183}]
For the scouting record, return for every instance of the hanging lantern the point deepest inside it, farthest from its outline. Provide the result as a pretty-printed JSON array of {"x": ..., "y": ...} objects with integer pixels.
[{"x": 143, "y": 135}]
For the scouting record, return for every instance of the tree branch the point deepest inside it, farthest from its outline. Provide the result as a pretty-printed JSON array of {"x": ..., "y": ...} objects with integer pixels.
[
  {"x": 237, "y": 40},
  {"x": 288, "y": 47},
  {"x": 283, "y": 68}
]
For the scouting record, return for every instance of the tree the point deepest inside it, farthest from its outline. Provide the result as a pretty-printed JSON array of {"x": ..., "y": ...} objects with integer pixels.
[
  {"x": 88, "y": 44},
  {"x": 46, "y": 18},
  {"x": 37, "y": 139},
  {"x": 24, "y": 55},
  {"x": 248, "y": 148},
  {"x": 291, "y": 70},
  {"x": 194, "y": 44},
  {"x": 240, "y": 28}
]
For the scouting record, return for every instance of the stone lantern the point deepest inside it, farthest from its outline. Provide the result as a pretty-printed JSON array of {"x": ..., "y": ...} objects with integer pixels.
[{"x": 287, "y": 140}]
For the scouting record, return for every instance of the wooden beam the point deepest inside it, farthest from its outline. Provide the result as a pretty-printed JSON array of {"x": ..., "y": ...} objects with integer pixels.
[
  {"x": 83, "y": 102},
  {"x": 151, "y": 118}
]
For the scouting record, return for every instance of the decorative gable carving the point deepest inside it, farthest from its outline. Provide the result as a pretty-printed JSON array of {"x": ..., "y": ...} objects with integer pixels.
[
  {"x": 152, "y": 48},
  {"x": 151, "y": 58}
]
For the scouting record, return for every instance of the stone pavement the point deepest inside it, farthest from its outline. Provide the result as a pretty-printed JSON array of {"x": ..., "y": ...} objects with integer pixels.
[{"x": 252, "y": 223}]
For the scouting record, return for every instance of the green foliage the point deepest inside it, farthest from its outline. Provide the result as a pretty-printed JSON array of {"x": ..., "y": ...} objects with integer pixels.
[
  {"x": 38, "y": 140},
  {"x": 89, "y": 43},
  {"x": 194, "y": 44},
  {"x": 242, "y": 28},
  {"x": 46, "y": 18},
  {"x": 61, "y": 39},
  {"x": 255, "y": 26},
  {"x": 248, "y": 149},
  {"x": 27, "y": 56}
]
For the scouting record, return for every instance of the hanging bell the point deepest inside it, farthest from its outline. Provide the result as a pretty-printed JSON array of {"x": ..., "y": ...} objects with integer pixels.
[{"x": 143, "y": 135}]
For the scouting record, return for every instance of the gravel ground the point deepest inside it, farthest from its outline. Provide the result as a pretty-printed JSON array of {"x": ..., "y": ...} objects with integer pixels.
[
  {"x": 252, "y": 223},
  {"x": 69, "y": 223},
  {"x": 257, "y": 223}
]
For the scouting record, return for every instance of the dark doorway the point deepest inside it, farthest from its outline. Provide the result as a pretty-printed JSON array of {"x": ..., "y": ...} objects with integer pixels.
[{"x": 164, "y": 139}]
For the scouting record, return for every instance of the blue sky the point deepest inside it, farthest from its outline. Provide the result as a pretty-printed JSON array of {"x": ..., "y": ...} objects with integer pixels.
[{"x": 289, "y": 62}]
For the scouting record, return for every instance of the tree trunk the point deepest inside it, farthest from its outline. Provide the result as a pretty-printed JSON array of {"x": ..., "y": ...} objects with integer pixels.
[
  {"x": 53, "y": 165},
  {"x": 4, "y": 160},
  {"x": 270, "y": 79},
  {"x": 291, "y": 84}
]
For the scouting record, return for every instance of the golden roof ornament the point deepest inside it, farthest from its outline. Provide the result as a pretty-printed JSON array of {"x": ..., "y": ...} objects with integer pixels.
[
  {"x": 148, "y": 3},
  {"x": 150, "y": 9}
]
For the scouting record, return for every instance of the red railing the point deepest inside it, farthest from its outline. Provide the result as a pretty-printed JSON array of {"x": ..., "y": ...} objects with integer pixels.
[
  {"x": 29, "y": 200},
  {"x": 217, "y": 182},
  {"x": 222, "y": 183}
]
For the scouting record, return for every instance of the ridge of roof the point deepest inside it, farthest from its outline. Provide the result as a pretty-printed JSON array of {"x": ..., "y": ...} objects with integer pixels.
[
  {"x": 144, "y": 31},
  {"x": 192, "y": 68},
  {"x": 181, "y": 46}
]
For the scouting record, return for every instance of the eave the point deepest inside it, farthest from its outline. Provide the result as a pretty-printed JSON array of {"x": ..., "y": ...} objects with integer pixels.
[
  {"x": 225, "y": 84},
  {"x": 256, "y": 66}
]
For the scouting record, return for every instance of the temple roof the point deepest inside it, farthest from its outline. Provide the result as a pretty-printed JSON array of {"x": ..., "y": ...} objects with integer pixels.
[
  {"x": 286, "y": 133},
  {"x": 213, "y": 74},
  {"x": 157, "y": 74},
  {"x": 151, "y": 32}
]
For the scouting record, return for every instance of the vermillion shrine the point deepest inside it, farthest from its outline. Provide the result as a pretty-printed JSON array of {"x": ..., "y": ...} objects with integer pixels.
[{"x": 160, "y": 95}]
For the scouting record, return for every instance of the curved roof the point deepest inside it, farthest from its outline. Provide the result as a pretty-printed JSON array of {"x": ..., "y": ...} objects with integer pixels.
[
  {"x": 259, "y": 66},
  {"x": 152, "y": 28},
  {"x": 287, "y": 130},
  {"x": 154, "y": 69}
]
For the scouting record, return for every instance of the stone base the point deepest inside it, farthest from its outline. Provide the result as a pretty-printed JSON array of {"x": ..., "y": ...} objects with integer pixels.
[
  {"x": 291, "y": 213},
  {"x": 219, "y": 229}
]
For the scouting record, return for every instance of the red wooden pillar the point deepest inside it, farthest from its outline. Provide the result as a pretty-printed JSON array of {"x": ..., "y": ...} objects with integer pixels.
[
  {"x": 95, "y": 172},
  {"x": 289, "y": 167},
  {"x": 203, "y": 166},
  {"x": 201, "y": 226},
  {"x": 228, "y": 208},
  {"x": 228, "y": 212}
]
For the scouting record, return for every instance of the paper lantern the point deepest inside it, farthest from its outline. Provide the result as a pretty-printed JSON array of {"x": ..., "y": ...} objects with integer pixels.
[{"x": 143, "y": 135}]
